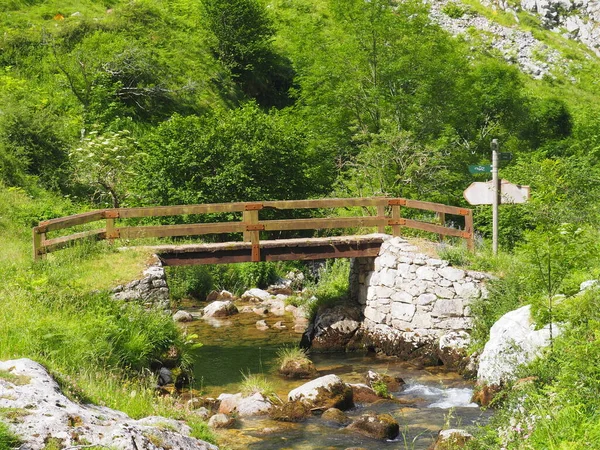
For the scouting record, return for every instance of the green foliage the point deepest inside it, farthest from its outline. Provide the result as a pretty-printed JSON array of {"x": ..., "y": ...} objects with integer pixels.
[
  {"x": 332, "y": 287},
  {"x": 381, "y": 389},
  {"x": 286, "y": 355},
  {"x": 454, "y": 10},
  {"x": 255, "y": 383},
  {"x": 238, "y": 155}
]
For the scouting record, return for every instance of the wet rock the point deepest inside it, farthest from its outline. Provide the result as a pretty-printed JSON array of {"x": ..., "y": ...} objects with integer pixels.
[
  {"x": 381, "y": 426},
  {"x": 53, "y": 417},
  {"x": 336, "y": 416},
  {"x": 335, "y": 327},
  {"x": 182, "y": 316},
  {"x": 280, "y": 290},
  {"x": 202, "y": 412},
  {"x": 325, "y": 392},
  {"x": 361, "y": 393},
  {"x": 394, "y": 384},
  {"x": 295, "y": 411},
  {"x": 298, "y": 368},
  {"x": 279, "y": 325},
  {"x": 262, "y": 325},
  {"x": 164, "y": 377},
  {"x": 261, "y": 310},
  {"x": 220, "y": 309},
  {"x": 256, "y": 295},
  {"x": 451, "y": 439},
  {"x": 253, "y": 405},
  {"x": 452, "y": 350},
  {"x": 221, "y": 421}
]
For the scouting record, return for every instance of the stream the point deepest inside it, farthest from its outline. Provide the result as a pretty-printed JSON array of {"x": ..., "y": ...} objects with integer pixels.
[{"x": 431, "y": 399}]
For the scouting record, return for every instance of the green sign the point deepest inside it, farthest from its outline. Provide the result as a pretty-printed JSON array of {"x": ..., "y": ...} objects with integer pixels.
[
  {"x": 505, "y": 156},
  {"x": 480, "y": 169}
]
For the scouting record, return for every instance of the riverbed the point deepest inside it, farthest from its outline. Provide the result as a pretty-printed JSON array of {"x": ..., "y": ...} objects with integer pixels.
[{"x": 431, "y": 399}]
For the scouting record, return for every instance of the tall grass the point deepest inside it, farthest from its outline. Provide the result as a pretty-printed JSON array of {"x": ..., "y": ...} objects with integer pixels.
[{"x": 59, "y": 312}]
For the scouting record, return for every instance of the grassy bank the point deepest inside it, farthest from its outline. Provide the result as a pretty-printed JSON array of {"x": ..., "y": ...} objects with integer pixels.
[{"x": 59, "y": 313}]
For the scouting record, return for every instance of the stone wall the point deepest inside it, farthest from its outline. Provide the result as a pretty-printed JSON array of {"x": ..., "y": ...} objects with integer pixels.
[
  {"x": 409, "y": 300},
  {"x": 151, "y": 291}
]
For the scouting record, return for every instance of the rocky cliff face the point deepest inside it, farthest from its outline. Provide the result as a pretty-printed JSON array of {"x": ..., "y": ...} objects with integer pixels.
[{"x": 574, "y": 19}]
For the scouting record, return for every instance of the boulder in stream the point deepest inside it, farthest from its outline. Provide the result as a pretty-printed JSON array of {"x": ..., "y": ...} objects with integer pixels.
[
  {"x": 294, "y": 411},
  {"x": 334, "y": 328},
  {"x": 336, "y": 416},
  {"x": 323, "y": 393},
  {"x": 221, "y": 421},
  {"x": 220, "y": 309},
  {"x": 252, "y": 405},
  {"x": 182, "y": 316},
  {"x": 451, "y": 439},
  {"x": 393, "y": 384},
  {"x": 380, "y": 426}
]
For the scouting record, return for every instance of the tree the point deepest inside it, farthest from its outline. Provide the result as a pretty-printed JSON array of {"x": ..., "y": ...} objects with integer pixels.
[
  {"x": 104, "y": 163},
  {"x": 243, "y": 33}
]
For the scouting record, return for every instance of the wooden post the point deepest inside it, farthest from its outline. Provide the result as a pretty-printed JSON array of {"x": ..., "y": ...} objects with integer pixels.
[
  {"x": 38, "y": 242},
  {"x": 254, "y": 235},
  {"x": 396, "y": 215},
  {"x": 246, "y": 219},
  {"x": 442, "y": 218},
  {"x": 469, "y": 230},
  {"x": 111, "y": 232},
  {"x": 381, "y": 216}
]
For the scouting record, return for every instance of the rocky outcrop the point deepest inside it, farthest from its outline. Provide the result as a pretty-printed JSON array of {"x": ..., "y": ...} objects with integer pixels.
[
  {"x": 453, "y": 350},
  {"x": 381, "y": 426},
  {"x": 574, "y": 19},
  {"x": 513, "y": 341},
  {"x": 323, "y": 393},
  {"x": 151, "y": 291},
  {"x": 48, "y": 414}
]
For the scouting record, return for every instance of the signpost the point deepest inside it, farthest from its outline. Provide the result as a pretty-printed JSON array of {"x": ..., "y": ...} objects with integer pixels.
[
  {"x": 485, "y": 168},
  {"x": 495, "y": 192}
]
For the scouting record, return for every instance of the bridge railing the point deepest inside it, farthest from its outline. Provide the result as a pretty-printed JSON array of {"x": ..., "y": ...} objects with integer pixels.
[{"x": 388, "y": 214}]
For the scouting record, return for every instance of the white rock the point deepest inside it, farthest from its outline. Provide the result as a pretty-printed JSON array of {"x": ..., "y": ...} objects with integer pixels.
[
  {"x": 310, "y": 391},
  {"x": 467, "y": 290},
  {"x": 256, "y": 295},
  {"x": 388, "y": 277},
  {"x": 402, "y": 297},
  {"x": 220, "y": 309},
  {"x": 50, "y": 413},
  {"x": 252, "y": 405},
  {"x": 182, "y": 316},
  {"x": 448, "y": 308},
  {"x": 374, "y": 315},
  {"x": 443, "y": 292},
  {"x": 426, "y": 273},
  {"x": 426, "y": 299},
  {"x": 451, "y": 273},
  {"x": 403, "y": 311},
  {"x": 513, "y": 341}
]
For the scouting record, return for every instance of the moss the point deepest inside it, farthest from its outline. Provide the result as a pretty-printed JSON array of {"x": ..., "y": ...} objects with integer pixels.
[
  {"x": 18, "y": 380},
  {"x": 13, "y": 415},
  {"x": 290, "y": 412}
]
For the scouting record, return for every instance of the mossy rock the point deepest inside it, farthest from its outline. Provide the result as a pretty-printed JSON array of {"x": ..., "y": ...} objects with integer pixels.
[
  {"x": 336, "y": 416},
  {"x": 381, "y": 426},
  {"x": 298, "y": 369},
  {"x": 295, "y": 411}
]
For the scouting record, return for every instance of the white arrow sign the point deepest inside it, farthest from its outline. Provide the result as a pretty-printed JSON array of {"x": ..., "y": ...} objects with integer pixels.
[{"x": 480, "y": 193}]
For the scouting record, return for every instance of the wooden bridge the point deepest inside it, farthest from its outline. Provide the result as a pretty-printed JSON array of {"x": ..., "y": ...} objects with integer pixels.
[{"x": 385, "y": 214}]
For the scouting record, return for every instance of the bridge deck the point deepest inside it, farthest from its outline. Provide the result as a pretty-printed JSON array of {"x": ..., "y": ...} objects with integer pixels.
[{"x": 276, "y": 250}]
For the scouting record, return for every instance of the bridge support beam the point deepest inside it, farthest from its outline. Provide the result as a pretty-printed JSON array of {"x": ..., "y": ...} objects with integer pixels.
[{"x": 280, "y": 250}]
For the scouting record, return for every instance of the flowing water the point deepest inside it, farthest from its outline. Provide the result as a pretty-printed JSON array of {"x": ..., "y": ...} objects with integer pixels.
[{"x": 431, "y": 398}]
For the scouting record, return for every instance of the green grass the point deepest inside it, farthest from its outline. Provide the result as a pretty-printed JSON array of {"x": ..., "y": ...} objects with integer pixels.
[
  {"x": 18, "y": 380},
  {"x": 256, "y": 383},
  {"x": 285, "y": 355},
  {"x": 8, "y": 440}
]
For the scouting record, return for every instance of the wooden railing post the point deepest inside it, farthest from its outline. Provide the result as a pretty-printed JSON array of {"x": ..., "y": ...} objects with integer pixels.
[
  {"x": 470, "y": 234},
  {"x": 38, "y": 241},
  {"x": 396, "y": 215},
  {"x": 381, "y": 215},
  {"x": 442, "y": 218},
  {"x": 253, "y": 228},
  {"x": 111, "y": 232}
]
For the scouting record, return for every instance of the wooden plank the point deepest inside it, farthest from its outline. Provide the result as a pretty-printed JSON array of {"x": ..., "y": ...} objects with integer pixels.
[
  {"x": 252, "y": 228},
  {"x": 64, "y": 241},
  {"x": 179, "y": 230},
  {"x": 436, "y": 207},
  {"x": 111, "y": 232},
  {"x": 284, "y": 252},
  {"x": 323, "y": 203},
  {"x": 65, "y": 222},
  {"x": 315, "y": 224},
  {"x": 434, "y": 228},
  {"x": 159, "y": 211},
  {"x": 246, "y": 219}
]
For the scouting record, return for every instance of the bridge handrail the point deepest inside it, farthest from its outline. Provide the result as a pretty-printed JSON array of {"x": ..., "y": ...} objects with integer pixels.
[{"x": 250, "y": 225}]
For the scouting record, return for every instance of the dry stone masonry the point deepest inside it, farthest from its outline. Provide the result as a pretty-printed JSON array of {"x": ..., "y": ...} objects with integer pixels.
[
  {"x": 410, "y": 300},
  {"x": 151, "y": 291}
]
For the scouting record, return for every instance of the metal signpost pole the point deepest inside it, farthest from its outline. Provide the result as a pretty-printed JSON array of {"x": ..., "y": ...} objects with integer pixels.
[{"x": 496, "y": 196}]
